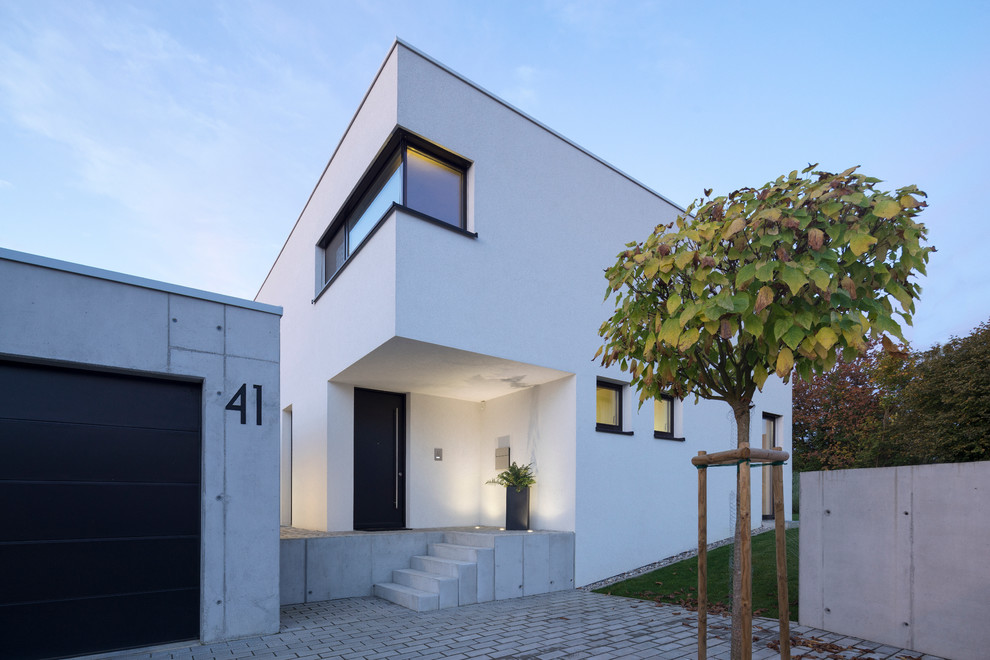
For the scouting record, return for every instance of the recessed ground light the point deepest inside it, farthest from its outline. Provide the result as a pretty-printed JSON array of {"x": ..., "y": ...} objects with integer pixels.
[
  {"x": 477, "y": 526},
  {"x": 529, "y": 531},
  {"x": 501, "y": 529}
]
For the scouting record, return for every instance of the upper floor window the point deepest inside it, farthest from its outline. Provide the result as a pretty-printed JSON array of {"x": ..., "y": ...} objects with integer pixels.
[
  {"x": 434, "y": 187},
  {"x": 411, "y": 173}
]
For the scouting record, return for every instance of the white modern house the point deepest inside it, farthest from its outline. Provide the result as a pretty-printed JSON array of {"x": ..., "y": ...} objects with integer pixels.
[{"x": 442, "y": 292}]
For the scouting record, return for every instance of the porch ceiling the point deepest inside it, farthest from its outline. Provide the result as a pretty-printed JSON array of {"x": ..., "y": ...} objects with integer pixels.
[{"x": 407, "y": 365}]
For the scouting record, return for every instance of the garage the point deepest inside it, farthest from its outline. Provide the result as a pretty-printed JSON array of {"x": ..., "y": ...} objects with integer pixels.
[
  {"x": 139, "y": 461},
  {"x": 100, "y": 491}
]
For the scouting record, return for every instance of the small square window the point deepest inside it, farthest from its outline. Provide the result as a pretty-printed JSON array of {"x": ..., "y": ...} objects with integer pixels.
[
  {"x": 663, "y": 417},
  {"x": 608, "y": 407},
  {"x": 435, "y": 188}
]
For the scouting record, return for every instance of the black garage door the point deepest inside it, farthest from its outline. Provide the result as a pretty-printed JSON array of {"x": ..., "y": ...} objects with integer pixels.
[{"x": 99, "y": 511}]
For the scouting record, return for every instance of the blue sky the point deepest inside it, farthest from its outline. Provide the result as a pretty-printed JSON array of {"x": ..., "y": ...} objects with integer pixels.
[{"x": 180, "y": 140}]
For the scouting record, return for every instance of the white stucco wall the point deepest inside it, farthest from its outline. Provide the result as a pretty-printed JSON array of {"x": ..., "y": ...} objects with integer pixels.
[
  {"x": 898, "y": 555},
  {"x": 74, "y": 315},
  {"x": 318, "y": 341},
  {"x": 637, "y": 495},
  {"x": 353, "y": 317},
  {"x": 447, "y": 492},
  {"x": 537, "y": 424},
  {"x": 549, "y": 219}
]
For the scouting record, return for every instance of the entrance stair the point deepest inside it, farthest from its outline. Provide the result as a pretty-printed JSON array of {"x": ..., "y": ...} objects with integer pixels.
[
  {"x": 449, "y": 575},
  {"x": 424, "y": 569}
]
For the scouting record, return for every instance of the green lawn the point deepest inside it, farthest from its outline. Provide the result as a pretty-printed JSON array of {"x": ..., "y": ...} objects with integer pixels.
[{"x": 678, "y": 583}]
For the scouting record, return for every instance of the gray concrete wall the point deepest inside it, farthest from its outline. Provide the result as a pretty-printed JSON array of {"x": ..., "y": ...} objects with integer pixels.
[
  {"x": 341, "y": 565},
  {"x": 64, "y": 313},
  {"x": 899, "y": 556}
]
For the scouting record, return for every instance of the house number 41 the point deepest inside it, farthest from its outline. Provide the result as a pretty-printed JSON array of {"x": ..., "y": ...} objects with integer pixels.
[{"x": 239, "y": 403}]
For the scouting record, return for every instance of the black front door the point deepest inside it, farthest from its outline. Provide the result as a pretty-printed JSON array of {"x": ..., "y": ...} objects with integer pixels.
[{"x": 379, "y": 460}]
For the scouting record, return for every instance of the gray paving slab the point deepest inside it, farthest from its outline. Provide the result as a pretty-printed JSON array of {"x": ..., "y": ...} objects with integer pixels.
[{"x": 564, "y": 624}]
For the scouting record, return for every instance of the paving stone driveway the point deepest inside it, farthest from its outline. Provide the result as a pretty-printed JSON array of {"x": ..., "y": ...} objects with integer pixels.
[{"x": 569, "y": 624}]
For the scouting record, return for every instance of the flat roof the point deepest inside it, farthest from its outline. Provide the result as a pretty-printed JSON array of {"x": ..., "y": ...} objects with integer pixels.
[{"x": 132, "y": 280}]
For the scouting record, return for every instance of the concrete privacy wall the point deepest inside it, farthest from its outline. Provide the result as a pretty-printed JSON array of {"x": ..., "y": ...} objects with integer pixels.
[
  {"x": 57, "y": 312},
  {"x": 899, "y": 556}
]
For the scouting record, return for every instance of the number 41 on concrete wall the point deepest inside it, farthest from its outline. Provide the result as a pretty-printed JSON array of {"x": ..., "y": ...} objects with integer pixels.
[{"x": 239, "y": 403}]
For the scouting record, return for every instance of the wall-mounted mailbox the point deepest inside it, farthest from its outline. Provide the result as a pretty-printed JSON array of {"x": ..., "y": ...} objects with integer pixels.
[{"x": 502, "y": 458}]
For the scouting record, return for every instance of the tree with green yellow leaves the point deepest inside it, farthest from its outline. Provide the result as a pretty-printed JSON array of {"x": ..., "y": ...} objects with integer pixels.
[{"x": 774, "y": 280}]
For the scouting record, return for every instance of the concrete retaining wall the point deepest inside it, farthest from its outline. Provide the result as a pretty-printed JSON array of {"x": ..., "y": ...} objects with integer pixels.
[
  {"x": 899, "y": 556},
  {"x": 341, "y": 565}
]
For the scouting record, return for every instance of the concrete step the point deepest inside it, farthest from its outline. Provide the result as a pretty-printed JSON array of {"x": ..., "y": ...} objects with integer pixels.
[
  {"x": 473, "y": 539},
  {"x": 507, "y": 550},
  {"x": 466, "y": 573},
  {"x": 482, "y": 556},
  {"x": 454, "y": 551},
  {"x": 445, "y": 587},
  {"x": 414, "y": 599}
]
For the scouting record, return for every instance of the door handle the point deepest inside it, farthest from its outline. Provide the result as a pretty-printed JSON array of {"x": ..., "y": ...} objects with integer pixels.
[{"x": 397, "y": 473}]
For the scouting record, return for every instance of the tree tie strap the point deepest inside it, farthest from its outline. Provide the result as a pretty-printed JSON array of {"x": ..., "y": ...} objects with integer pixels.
[{"x": 738, "y": 463}]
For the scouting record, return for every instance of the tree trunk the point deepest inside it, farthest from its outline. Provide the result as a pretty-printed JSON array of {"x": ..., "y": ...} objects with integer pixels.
[{"x": 741, "y": 412}]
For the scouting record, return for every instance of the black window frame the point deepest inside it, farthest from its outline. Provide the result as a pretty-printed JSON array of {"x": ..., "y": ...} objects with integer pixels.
[
  {"x": 773, "y": 417},
  {"x": 665, "y": 435},
  {"x": 398, "y": 144},
  {"x": 619, "y": 390}
]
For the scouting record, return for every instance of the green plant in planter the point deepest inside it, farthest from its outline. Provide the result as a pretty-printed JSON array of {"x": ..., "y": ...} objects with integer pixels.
[{"x": 519, "y": 476}]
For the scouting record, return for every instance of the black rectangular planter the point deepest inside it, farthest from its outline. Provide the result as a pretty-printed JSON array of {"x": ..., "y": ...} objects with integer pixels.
[{"x": 516, "y": 508}]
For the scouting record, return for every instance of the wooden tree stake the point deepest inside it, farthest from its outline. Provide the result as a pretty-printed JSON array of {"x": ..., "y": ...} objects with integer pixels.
[
  {"x": 745, "y": 555},
  {"x": 783, "y": 605},
  {"x": 741, "y": 458},
  {"x": 702, "y": 560}
]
